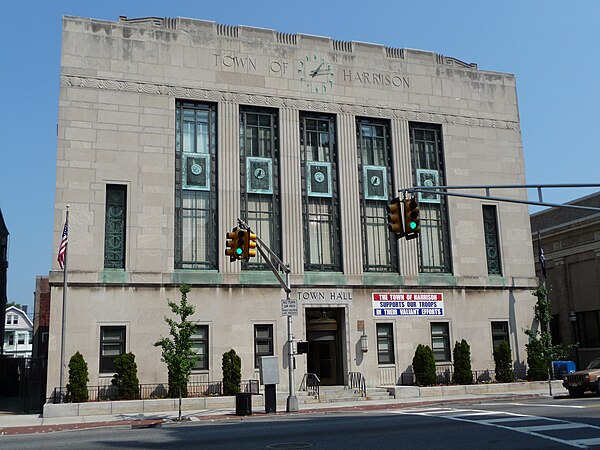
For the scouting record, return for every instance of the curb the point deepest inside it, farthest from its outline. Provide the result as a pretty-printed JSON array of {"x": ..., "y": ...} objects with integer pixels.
[{"x": 157, "y": 423}]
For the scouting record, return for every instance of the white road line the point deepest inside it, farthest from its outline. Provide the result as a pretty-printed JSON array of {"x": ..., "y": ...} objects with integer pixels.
[
  {"x": 462, "y": 415},
  {"x": 510, "y": 419},
  {"x": 531, "y": 405},
  {"x": 556, "y": 426},
  {"x": 588, "y": 442}
]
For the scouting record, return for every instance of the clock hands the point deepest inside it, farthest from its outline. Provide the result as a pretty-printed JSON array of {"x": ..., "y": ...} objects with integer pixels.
[
  {"x": 316, "y": 71},
  {"x": 321, "y": 71}
]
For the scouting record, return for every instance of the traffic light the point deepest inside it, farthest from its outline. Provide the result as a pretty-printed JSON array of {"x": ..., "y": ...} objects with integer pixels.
[
  {"x": 395, "y": 218},
  {"x": 235, "y": 244},
  {"x": 412, "y": 221},
  {"x": 249, "y": 245}
]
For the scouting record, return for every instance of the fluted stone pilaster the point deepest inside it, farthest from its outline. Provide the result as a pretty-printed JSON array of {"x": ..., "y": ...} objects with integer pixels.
[
  {"x": 403, "y": 176},
  {"x": 290, "y": 180},
  {"x": 352, "y": 253},
  {"x": 228, "y": 157}
]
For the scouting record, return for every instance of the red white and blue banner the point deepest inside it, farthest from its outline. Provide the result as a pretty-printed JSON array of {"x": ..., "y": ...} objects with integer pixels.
[{"x": 390, "y": 304}]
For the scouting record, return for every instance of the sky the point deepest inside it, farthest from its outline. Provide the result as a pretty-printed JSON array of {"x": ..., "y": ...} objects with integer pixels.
[{"x": 551, "y": 46}]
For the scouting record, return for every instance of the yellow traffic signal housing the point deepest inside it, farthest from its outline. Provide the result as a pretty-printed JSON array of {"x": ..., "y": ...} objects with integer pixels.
[
  {"x": 250, "y": 245},
  {"x": 412, "y": 221},
  {"x": 235, "y": 244},
  {"x": 395, "y": 218}
]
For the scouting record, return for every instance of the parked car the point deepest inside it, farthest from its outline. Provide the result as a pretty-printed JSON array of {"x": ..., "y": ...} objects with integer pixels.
[{"x": 587, "y": 379}]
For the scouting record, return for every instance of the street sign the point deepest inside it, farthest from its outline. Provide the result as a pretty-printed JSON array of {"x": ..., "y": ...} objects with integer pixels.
[{"x": 289, "y": 307}]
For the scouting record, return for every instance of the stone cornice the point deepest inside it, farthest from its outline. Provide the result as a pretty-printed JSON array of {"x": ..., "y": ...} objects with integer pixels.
[{"x": 282, "y": 102}]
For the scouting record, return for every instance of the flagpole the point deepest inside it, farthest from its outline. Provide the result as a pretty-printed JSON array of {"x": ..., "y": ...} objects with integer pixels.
[
  {"x": 64, "y": 313},
  {"x": 542, "y": 261}
]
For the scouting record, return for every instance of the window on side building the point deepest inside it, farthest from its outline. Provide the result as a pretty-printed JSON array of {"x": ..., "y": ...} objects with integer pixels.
[
  {"x": 499, "y": 334},
  {"x": 320, "y": 207},
  {"x": 440, "y": 341},
  {"x": 195, "y": 186},
  {"x": 376, "y": 189},
  {"x": 263, "y": 342},
  {"x": 260, "y": 199},
  {"x": 385, "y": 343},
  {"x": 428, "y": 170},
  {"x": 112, "y": 344},
  {"x": 492, "y": 246},
  {"x": 200, "y": 346},
  {"x": 114, "y": 226}
]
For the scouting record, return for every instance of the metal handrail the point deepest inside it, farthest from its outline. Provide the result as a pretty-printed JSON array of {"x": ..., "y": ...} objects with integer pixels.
[
  {"x": 357, "y": 381},
  {"x": 159, "y": 390},
  {"x": 311, "y": 384},
  {"x": 445, "y": 376}
]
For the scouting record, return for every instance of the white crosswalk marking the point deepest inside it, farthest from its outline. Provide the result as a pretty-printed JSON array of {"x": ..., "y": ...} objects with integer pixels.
[{"x": 508, "y": 421}]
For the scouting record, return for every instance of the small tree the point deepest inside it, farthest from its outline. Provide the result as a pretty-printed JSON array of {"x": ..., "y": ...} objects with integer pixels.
[
  {"x": 177, "y": 352},
  {"x": 424, "y": 366},
  {"x": 462, "y": 363},
  {"x": 232, "y": 372},
  {"x": 126, "y": 379},
  {"x": 540, "y": 350},
  {"x": 78, "y": 378},
  {"x": 503, "y": 362}
]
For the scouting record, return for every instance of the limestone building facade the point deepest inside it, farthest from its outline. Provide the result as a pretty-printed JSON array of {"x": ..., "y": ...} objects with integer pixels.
[
  {"x": 570, "y": 239},
  {"x": 172, "y": 129}
]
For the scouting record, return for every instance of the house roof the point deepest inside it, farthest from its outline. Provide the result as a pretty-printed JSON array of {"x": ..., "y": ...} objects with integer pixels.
[{"x": 21, "y": 313}]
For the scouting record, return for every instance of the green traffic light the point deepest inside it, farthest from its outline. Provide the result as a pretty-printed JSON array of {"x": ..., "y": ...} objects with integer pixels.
[
  {"x": 239, "y": 251},
  {"x": 412, "y": 225}
]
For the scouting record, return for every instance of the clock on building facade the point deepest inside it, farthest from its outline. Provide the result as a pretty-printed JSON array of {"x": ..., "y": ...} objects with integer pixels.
[{"x": 316, "y": 73}]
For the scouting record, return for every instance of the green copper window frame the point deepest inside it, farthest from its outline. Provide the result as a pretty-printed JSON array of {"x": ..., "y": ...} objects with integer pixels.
[
  {"x": 115, "y": 226},
  {"x": 434, "y": 239},
  {"x": 320, "y": 205},
  {"x": 195, "y": 186},
  {"x": 492, "y": 245},
  {"x": 375, "y": 179},
  {"x": 260, "y": 196}
]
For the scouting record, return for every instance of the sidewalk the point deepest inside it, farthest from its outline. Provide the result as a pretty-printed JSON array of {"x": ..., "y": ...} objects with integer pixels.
[{"x": 34, "y": 423}]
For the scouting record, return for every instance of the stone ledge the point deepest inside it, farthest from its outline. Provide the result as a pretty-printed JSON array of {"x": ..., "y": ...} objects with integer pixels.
[
  {"x": 474, "y": 389},
  {"x": 142, "y": 406}
]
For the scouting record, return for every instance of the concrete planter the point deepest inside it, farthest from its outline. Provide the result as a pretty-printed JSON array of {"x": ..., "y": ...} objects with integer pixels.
[{"x": 142, "y": 406}]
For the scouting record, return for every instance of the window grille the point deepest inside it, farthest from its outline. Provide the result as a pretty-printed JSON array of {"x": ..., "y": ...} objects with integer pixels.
[
  {"x": 320, "y": 206},
  {"x": 374, "y": 156},
  {"x": 195, "y": 186}
]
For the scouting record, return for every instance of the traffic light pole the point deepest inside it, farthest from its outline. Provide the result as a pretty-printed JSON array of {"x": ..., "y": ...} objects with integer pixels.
[
  {"x": 443, "y": 190},
  {"x": 277, "y": 266}
]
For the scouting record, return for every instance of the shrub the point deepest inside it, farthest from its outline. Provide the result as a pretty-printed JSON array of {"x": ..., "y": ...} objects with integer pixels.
[
  {"x": 537, "y": 361},
  {"x": 126, "y": 379},
  {"x": 424, "y": 366},
  {"x": 503, "y": 361},
  {"x": 462, "y": 363},
  {"x": 232, "y": 372},
  {"x": 78, "y": 378}
]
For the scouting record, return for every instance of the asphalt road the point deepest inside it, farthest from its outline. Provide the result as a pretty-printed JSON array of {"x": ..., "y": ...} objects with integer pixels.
[{"x": 531, "y": 424}]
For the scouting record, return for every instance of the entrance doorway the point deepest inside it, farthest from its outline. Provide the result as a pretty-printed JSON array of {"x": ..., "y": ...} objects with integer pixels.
[{"x": 324, "y": 331}]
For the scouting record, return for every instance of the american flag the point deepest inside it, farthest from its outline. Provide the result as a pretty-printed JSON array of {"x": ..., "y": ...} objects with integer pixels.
[
  {"x": 541, "y": 257},
  {"x": 62, "y": 249}
]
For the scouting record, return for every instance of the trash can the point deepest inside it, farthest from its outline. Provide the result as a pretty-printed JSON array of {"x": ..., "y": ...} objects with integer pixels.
[
  {"x": 243, "y": 404},
  {"x": 562, "y": 368},
  {"x": 270, "y": 398}
]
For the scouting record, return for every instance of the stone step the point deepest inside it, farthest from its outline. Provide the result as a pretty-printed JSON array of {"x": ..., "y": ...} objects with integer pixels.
[{"x": 331, "y": 394}]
